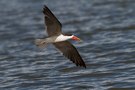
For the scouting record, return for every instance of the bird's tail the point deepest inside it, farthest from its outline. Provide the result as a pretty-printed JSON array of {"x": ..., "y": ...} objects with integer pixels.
[{"x": 40, "y": 43}]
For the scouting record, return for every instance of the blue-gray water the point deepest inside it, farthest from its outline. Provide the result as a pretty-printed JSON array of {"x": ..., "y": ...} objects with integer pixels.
[{"x": 107, "y": 28}]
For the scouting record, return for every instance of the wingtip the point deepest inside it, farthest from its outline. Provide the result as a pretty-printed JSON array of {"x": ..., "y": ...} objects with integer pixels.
[
  {"x": 45, "y": 8},
  {"x": 81, "y": 65},
  {"x": 84, "y": 66}
]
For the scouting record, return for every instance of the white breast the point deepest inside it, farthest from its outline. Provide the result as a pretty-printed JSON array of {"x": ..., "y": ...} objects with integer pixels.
[{"x": 62, "y": 38}]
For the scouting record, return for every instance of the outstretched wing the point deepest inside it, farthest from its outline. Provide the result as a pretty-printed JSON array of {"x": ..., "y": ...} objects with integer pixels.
[
  {"x": 53, "y": 26},
  {"x": 70, "y": 52}
]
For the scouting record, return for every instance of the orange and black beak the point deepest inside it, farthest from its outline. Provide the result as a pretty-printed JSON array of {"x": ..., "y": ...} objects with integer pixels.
[{"x": 76, "y": 38}]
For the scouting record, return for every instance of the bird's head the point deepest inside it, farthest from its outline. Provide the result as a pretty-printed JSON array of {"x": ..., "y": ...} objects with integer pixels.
[{"x": 75, "y": 38}]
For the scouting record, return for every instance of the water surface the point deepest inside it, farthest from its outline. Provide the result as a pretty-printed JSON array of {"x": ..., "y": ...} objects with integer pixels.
[{"x": 106, "y": 27}]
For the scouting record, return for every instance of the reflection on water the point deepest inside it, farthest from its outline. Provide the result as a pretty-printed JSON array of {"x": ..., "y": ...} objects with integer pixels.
[{"x": 106, "y": 27}]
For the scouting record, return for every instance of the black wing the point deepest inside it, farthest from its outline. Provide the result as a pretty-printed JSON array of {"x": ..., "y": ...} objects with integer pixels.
[
  {"x": 52, "y": 24},
  {"x": 70, "y": 52}
]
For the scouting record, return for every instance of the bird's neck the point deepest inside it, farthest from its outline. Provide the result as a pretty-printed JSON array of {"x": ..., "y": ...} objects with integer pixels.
[{"x": 62, "y": 38}]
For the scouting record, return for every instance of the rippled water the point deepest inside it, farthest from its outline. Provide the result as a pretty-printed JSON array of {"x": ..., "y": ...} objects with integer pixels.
[{"x": 107, "y": 28}]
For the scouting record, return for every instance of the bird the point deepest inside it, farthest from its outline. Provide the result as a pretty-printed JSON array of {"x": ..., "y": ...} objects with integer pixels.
[{"x": 59, "y": 39}]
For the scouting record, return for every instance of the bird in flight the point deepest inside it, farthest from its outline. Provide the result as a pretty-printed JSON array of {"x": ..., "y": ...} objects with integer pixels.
[{"x": 59, "y": 39}]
